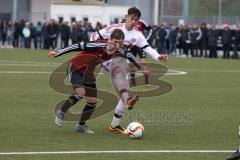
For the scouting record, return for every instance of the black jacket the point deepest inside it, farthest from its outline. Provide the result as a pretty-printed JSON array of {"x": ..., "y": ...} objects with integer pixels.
[
  {"x": 212, "y": 38},
  {"x": 226, "y": 37}
]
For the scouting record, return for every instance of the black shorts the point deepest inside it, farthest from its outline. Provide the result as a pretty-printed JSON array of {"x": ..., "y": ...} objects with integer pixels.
[
  {"x": 78, "y": 80},
  {"x": 138, "y": 51}
]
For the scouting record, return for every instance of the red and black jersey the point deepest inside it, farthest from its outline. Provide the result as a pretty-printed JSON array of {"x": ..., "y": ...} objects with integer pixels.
[
  {"x": 94, "y": 53},
  {"x": 88, "y": 60}
]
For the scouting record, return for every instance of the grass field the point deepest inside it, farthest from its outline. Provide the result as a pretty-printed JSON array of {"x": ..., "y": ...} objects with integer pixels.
[{"x": 208, "y": 95}]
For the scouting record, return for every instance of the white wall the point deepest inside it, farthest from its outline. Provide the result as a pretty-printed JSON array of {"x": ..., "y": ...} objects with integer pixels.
[
  {"x": 40, "y": 9},
  {"x": 94, "y": 14}
]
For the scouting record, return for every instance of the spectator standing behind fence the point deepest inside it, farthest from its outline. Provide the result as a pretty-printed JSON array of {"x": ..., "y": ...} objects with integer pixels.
[
  {"x": 184, "y": 32},
  {"x": 203, "y": 40},
  {"x": 38, "y": 35},
  {"x": 21, "y": 36},
  {"x": 90, "y": 30},
  {"x": 161, "y": 34},
  {"x": 33, "y": 36},
  {"x": 152, "y": 40},
  {"x": 212, "y": 38},
  {"x": 16, "y": 34},
  {"x": 226, "y": 41},
  {"x": 45, "y": 35},
  {"x": 53, "y": 33},
  {"x": 236, "y": 43},
  {"x": 173, "y": 40},
  {"x": 180, "y": 41},
  {"x": 9, "y": 37},
  {"x": 27, "y": 34},
  {"x": 65, "y": 34},
  {"x": 166, "y": 42},
  {"x": 195, "y": 35},
  {"x": 74, "y": 33},
  {"x": 3, "y": 29}
]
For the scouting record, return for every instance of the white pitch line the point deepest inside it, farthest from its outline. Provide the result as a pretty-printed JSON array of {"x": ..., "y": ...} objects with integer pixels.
[
  {"x": 171, "y": 73},
  {"x": 213, "y": 70},
  {"x": 27, "y": 62},
  {"x": 29, "y": 65},
  {"x": 24, "y": 72},
  {"x": 175, "y": 72},
  {"x": 116, "y": 152}
]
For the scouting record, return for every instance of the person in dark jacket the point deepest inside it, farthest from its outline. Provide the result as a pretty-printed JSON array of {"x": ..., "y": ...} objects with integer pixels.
[
  {"x": 74, "y": 33},
  {"x": 53, "y": 33},
  {"x": 38, "y": 34},
  {"x": 185, "y": 39},
  {"x": 161, "y": 34},
  {"x": 212, "y": 38},
  {"x": 16, "y": 33},
  {"x": 195, "y": 35},
  {"x": 173, "y": 40},
  {"x": 203, "y": 40},
  {"x": 65, "y": 34},
  {"x": 3, "y": 29},
  {"x": 33, "y": 36},
  {"x": 45, "y": 35},
  {"x": 226, "y": 41},
  {"x": 236, "y": 43}
]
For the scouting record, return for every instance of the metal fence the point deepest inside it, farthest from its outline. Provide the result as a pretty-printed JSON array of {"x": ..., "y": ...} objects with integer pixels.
[{"x": 213, "y": 20}]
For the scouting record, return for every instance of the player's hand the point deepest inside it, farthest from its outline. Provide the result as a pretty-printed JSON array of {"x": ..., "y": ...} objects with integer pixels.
[
  {"x": 163, "y": 57},
  {"x": 52, "y": 54}
]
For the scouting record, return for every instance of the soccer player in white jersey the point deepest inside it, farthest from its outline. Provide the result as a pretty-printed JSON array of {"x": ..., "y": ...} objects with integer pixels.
[
  {"x": 133, "y": 37},
  {"x": 143, "y": 27}
]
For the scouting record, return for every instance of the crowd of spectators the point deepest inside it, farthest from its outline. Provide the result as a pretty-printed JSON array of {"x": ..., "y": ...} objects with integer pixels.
[
  {"x": 184, "y": 40},
  {"x": 44, "y": 35}
]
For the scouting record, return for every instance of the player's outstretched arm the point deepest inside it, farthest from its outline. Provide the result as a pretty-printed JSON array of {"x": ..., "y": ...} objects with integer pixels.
[
  {"x": 82, "y": 46},
  {"x": 138, "y": 63}
]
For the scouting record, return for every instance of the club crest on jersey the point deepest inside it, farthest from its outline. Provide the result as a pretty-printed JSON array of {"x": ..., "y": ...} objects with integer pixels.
[{"x": 133, "y": 40}]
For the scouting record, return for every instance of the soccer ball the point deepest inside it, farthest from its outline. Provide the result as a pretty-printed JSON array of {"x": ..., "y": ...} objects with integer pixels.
[{"x": 135, "y": 130}]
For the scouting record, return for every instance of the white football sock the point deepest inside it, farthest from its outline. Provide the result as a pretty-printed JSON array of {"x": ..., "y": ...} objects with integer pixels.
[{"x": 115, "y": 122}]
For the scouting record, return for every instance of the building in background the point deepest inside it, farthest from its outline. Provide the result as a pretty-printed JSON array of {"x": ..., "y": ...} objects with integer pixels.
[
  {"x": 106, "y": 11},
  {"x": 113, "y": 11},
  {"x": 32, "y": 10}
]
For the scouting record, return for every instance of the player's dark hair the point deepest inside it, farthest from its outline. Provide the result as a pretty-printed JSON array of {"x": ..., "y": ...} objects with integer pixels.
[
  {"x": 117, "y": 34},
  {"x": 134, "y": 11}
]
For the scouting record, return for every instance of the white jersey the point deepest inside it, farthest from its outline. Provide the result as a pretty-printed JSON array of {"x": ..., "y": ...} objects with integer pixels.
[{"x": 132, "y": 38}]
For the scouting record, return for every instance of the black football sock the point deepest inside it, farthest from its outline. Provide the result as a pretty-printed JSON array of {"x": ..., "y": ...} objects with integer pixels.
[
  {"x": 133, "y": 78},
  {"x": 146, "y": 78},
  {"x": 73, "y": 99},
  {"x": 87, "y": 112}
]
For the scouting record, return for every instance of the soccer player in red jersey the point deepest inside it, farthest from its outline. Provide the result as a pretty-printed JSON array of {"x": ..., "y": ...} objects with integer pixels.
[{"x": 81, "y": 74}]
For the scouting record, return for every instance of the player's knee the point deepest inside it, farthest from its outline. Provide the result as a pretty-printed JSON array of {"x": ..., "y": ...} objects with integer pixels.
[
  {"x": 91, "y": 105},
  {"x": 131, "y": 67},
  {"x": 143, "y": 61},
  {"x": 80, "y": 92},
  {"x": 91, "y": 100}
]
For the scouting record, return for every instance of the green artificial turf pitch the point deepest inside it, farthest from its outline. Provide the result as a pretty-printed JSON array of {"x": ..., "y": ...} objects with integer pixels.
[{"x": 207, "y": 98}]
